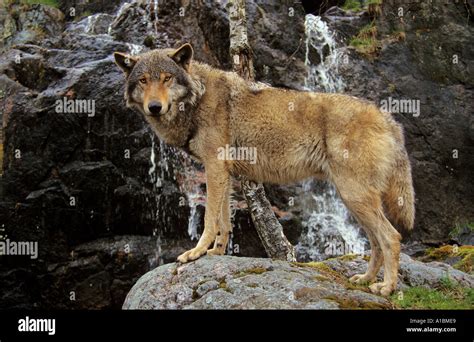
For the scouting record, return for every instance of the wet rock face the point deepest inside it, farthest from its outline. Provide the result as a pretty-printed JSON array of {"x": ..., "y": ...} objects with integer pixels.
[
  {"x": 73, "y": 8},
  {"x": 276, "y": 34},
  {"x": 23, "y": 23}
]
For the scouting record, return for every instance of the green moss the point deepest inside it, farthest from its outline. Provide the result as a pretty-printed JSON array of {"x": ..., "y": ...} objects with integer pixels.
[
  {"x": 255, "y": 270},
  {"x": 442, "y": 299},
  {"x": 149, "y": 41},
  {"x": 465, "y": 253},
  {"x": 352, "y": 5},
  {"x": 223, "y": 286},
  {"x": 368, "y": 31},
  {"x": 366, "y": 42},
  {"x": 51, "y": 3},
  {"x": 458, "y": 228},
  {"x": 373, "y": 2},
  {"x": 346, "y": 257},
  {"x": 328, "y": 273},
  {"x": 320, "y": 278}
]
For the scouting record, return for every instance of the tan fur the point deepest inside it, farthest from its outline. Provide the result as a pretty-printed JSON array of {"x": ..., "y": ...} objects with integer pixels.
[{"x": 297, "y": 135}]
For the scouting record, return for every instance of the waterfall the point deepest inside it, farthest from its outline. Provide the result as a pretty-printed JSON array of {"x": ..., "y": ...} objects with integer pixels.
[
  {"x": 328, "y": 227},
  {"x": 323, "y": 76}
]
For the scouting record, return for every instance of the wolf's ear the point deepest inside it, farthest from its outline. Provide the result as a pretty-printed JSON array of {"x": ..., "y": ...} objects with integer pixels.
[
  {"x": 183, "y": 56},
  {"x": 125, "y": 62}
]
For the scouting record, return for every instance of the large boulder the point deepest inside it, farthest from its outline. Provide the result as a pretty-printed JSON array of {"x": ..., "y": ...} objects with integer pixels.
[
  {"x": 245, "y": 283},
  {"x": 251, "y": 283}
]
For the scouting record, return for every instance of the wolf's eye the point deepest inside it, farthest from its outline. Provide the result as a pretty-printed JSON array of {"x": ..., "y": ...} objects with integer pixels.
[
  {"x": 142, "y": 80},
  {"x": 167, "y": 78}
]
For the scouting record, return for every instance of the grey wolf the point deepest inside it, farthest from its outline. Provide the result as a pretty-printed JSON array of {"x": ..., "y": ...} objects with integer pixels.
[{"x": 334, "y": 137}]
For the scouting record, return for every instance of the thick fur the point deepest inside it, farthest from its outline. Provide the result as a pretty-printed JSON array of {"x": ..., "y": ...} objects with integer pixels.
[{"x": 297, "y": 135}]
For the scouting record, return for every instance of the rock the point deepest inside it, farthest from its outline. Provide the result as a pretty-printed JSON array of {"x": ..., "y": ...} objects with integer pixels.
[
  {"x": 76, "y": 9},
  {"x": 277, "y": 37},
  {"x": 431, "y": 275},
  {"x": 250, "y": 283},
  {"x": 245, "y": 283},
  {"x": 29, "y": 23}
]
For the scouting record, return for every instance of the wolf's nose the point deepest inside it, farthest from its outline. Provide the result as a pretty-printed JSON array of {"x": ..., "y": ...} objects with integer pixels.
[{"x": 154, "y": 107}]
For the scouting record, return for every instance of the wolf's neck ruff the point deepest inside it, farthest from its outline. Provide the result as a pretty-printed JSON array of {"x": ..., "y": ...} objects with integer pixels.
[{"x": 197, "y": 91}]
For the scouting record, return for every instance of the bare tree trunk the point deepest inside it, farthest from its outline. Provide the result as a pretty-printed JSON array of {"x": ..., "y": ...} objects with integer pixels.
[{"x": 268, "y": 228}]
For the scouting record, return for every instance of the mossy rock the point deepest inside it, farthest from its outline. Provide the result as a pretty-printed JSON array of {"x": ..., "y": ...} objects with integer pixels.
[
  {"x": 255, "y": 270},
  {"x": 330, "y": 274},
  {"x": 462, "y": 258}
]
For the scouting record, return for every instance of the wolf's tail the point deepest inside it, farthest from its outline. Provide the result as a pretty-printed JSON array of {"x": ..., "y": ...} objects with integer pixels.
[{"x": 399, "y": 198}]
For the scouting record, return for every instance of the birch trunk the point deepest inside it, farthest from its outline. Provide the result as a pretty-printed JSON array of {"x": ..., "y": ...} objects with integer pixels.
[{"x": 267, "y": 225}]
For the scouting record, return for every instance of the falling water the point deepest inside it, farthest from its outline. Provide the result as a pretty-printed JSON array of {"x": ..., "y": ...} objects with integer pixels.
[
  {"x": 194, "y": 217},
  {"x": 323, "y": 76},
  {"x": 328, "y": 224},
  {"x": 155, "y": 14},
  {"x": 120, "y": 11}
]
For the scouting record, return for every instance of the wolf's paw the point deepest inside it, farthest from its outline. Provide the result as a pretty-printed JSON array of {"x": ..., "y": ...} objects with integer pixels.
[
  {"x": 361, "y": 278},
  {"x": 192, "y": 254},
  {"x": 216, "y": 251},
  {"x": 384, "y": 288}
]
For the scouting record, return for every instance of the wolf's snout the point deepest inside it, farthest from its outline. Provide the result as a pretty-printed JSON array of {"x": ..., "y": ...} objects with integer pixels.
[{"x": 154, "y": 107}]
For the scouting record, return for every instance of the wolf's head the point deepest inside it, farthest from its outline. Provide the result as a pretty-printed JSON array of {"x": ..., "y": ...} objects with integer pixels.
[{"x": 159, "y": 80}]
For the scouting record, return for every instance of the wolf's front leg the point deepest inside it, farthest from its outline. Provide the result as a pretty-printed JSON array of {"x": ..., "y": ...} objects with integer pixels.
[
  {"x": 217, "y": 185},
  {"x": 225, "y": 226}
]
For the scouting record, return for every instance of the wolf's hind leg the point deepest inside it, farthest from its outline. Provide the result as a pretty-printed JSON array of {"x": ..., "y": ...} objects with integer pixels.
[
  {"x": 366, "y": 205},
  {"x": 389, "y": 240},
  {"x": 376, "y": 261},
  {"x": 217, "y": 181},
  {"x": 225, "y": 227}
]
